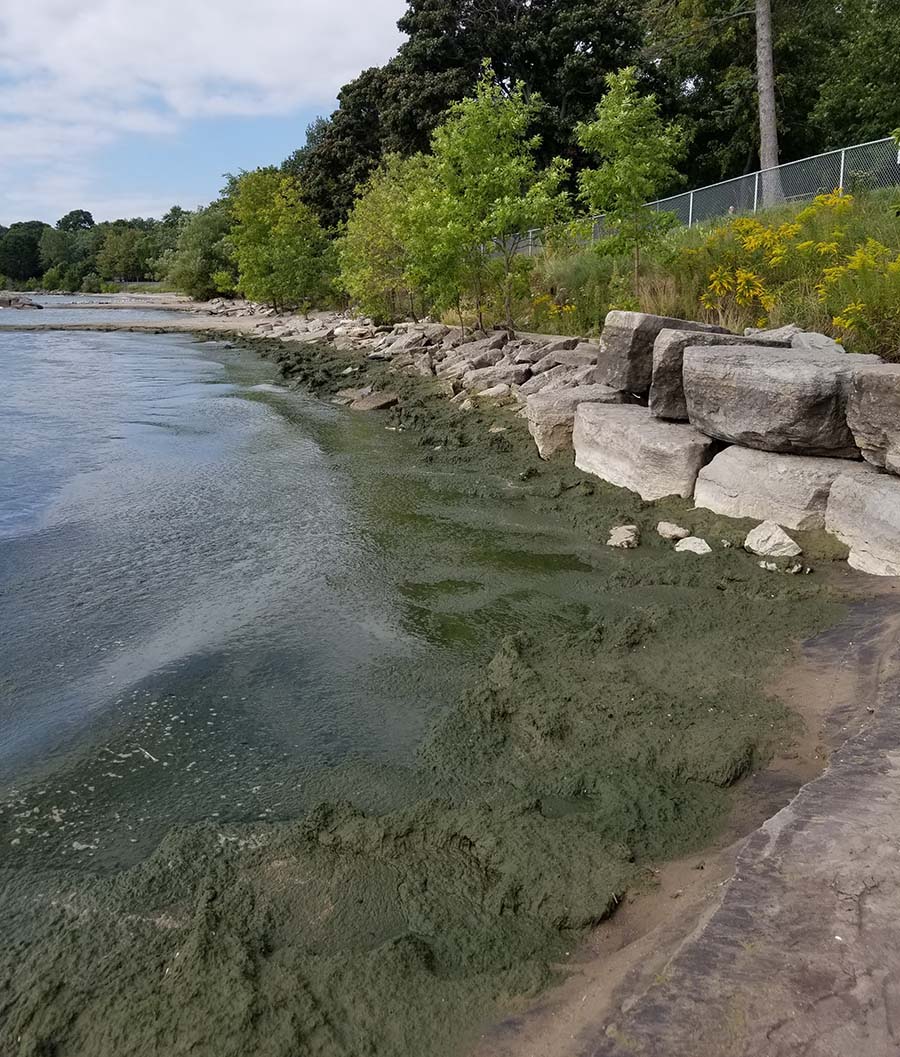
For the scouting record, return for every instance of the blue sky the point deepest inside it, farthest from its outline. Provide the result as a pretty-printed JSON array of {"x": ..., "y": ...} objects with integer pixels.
[{"x": 126, "y": 109}]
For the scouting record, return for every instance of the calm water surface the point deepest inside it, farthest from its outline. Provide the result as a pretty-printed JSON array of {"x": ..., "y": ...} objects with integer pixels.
[{"x": 217, "y": 595}]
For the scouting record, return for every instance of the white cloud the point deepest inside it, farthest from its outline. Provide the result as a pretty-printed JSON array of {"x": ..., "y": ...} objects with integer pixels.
[{"x": 77, "y": 74}]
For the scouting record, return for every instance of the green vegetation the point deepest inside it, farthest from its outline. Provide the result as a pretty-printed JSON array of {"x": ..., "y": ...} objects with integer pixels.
[{"x": 498, "y": 117}]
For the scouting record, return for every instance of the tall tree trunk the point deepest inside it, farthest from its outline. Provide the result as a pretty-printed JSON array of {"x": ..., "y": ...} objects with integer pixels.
[{"x": 768, "y": 118}]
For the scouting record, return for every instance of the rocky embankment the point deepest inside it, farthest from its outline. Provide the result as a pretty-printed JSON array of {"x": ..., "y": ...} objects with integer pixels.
[{"x": 781, "y": 426}]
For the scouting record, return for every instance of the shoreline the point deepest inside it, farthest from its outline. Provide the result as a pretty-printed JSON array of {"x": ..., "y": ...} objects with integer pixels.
[{"x": 446, "y": 432}]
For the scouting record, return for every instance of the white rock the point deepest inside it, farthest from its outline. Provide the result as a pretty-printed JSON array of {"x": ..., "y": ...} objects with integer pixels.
[
  {"x": 864, "y": 512},
  {"x": 769, "y": 540},
  {"x": 668, "y": 531},
  {"x": 551, "y": 415},
  {"x": 495, "y": 392},
  {"x": 693, "y": 545},
  {"x": 625, "y": 537},
  {"x": 626, "y": 446},
  {"x": 791, "y": 490}
]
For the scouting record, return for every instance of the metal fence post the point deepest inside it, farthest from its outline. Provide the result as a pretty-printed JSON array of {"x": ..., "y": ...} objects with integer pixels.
[
  {"x": 756, "y": 193},
  {"x": 843, "y": 169},
  {"x": 691, "y": 211}
]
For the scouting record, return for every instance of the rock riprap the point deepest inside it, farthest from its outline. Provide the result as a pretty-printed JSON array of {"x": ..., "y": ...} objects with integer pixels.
[
  {"x": 873, "y": 413},
  {"x": 780, "y": 400},
  {"x": 626, "y": 347},
  {"x": 864, "y": 512},
  {"x": 551, "y": 416},
  {"x": 667, "y": 399},
  {"x": 791, "y": 490},
  {"x": 627, "y": 447}
]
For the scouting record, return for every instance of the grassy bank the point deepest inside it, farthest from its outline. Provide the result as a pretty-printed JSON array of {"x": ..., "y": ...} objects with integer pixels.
[{"x": 588, "y": 748}]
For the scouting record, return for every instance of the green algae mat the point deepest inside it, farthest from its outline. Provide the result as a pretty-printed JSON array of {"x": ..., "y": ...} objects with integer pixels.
[{"x": 598, "y": 737}]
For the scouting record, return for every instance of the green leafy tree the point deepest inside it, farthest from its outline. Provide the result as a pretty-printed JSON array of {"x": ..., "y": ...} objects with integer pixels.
[
  {"x": 374, "y": 250},
  {"x": 486, "y": 190},
  {"x": 200, "y": 264},
  {"x": 76, "y": 220},
  {"x": 282, "y": 253},
  {"x": 20, "y": 253},
  {"x": 126, "y": 253},
  {"x": 637, "y": 150}
]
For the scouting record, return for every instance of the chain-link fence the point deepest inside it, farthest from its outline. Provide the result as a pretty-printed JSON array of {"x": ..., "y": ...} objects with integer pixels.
[{"x": 866, "y": 166}]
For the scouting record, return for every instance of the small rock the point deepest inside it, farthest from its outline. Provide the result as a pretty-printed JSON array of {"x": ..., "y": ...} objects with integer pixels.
[
  {"x": 769, "y": 540},
  {"x": 625, "y": 537},
  {"x": 375, "y": 402},
  {"x": 668, "y": 531},
  {"x": 693, "y": 545},
  {"x": 497, "y": 429},
  {"x": 812, "y": 342},
  {"x": 495, "y": 392},
  {"x": 466, "y": 405}
]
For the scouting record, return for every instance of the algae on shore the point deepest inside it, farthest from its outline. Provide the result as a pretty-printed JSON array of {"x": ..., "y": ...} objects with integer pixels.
[{"x": 587, "y": 749}]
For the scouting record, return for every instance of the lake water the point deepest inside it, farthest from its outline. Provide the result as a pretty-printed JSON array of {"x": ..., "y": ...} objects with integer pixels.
[{"x": 211, "y": 586}]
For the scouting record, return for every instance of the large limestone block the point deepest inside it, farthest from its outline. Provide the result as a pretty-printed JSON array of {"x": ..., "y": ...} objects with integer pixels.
[
  {"x": 551, "y": 415},
  {"x": 791, "y": 490},
  {"x": 667, "y": 398},
  {"x": 502, "y": 374},
  {"x": 626, "y": 347},
  {"x": 864, "y": 512},
  {"x": 783, "y": 400},
  {"x": 873, "y": 413},
  {"x": 629, "y": 448}
]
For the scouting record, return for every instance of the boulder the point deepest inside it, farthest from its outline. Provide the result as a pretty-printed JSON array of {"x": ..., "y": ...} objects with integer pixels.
[
  {"x": 524, "y": 352},
  {"x": 671, "y": 532},
  {"x": 495, "y": 392},
  {"x": 782, "y": 400},
  {"x": 693, "y": 545},
  {"x": 585, "y": 355},
  {"x": 667, "y": 398},
  {"x": 424, "y": 365},
  {"x": 873, "y": 414},
  {"x": 463, "y": 360},
  {"x": 626, "y": 347},
  {"x": 562, "y": 344},
  {"x": 551, "y": 415},
  {"x": 791, "y": 490},
  {"x": 786, "y": 333},
  {"x": 374, "y": 402},
  {"x": 769, "y": 540},
  {"x": 627, "y": 447},
  {"x": 625, "y": 537},
  {"x": 864, "y": 512},
  {"x": 501, "y": 374},
  {"x": 810, "y": 341},
  {"x": 556, "y": 378}
]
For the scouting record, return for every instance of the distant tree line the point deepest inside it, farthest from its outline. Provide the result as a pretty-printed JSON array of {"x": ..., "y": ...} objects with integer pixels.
[{"x": 78, "y": 255}]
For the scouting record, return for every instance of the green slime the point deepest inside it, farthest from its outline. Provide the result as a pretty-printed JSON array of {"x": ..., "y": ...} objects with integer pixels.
[{"x": 586, "y": 751}]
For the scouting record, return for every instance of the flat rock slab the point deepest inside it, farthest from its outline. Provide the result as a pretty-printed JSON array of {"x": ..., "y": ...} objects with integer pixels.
[
  {"x": 667, "y": 399},
  {"x": 873, "y": 414},
  {"x": 791, "y": 490},
  {"x": 802, "y": 957},
  {"x": 626, "y": 347},
  {"x": 627, "y": 447},
  {"x": 551, "y": 415},
  {"x": 864, "y": 512},
  {"x": 502, "y": 374},
  {"x": 374, "y": 402},
  {"x": 782, "y": 400}
]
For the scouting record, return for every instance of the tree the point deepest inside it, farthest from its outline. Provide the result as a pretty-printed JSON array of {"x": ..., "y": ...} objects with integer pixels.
[
  {"x": 20, "y": 255},
  {"x": 126, "y": 253},
  {"x": 76, "y": 220},
  {"x": 374, "y": 250},
  {"x": 200, "y": 265},
  {"x": 486, "y": 190},
  {"x": 282, "y": 253},
  {"x": 559, "y": 50},
  {"x": 637, "y": 149}
]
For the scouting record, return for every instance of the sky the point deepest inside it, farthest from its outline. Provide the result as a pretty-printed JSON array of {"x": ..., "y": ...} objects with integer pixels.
[{"x": 126, "y": 108}]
